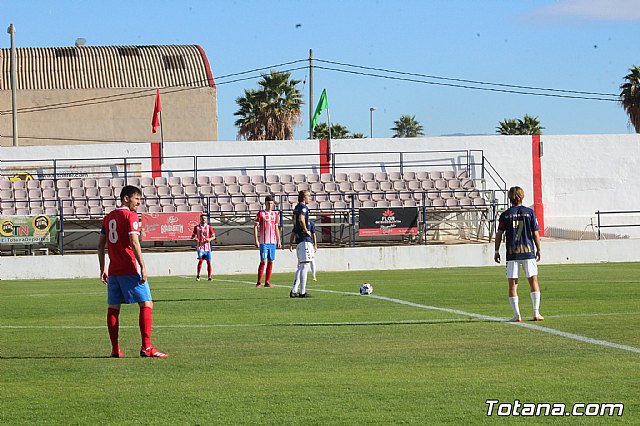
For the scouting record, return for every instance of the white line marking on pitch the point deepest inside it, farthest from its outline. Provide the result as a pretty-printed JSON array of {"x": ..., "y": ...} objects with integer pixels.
[{"x": 486, "y": 318}]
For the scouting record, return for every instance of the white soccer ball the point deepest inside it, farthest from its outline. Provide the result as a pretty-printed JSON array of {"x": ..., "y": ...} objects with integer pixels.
[{"x": 366, "y": 288}]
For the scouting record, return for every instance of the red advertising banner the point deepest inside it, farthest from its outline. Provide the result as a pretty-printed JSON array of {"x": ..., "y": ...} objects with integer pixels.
[{"x": 168, "y": 226}]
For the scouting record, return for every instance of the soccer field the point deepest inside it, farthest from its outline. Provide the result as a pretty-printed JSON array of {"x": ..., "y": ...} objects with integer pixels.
[{"x": 426, "y": 348}]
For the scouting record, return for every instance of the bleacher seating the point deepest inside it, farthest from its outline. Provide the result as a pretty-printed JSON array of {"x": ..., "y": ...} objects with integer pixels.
[{"x": 230, "y": 194}]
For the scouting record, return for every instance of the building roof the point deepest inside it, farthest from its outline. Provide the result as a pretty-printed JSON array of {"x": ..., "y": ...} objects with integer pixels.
[{"x": 107, "y": 67}]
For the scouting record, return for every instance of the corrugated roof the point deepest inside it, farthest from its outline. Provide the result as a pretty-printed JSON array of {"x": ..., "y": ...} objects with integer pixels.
[{"x": 107, "y": 67}]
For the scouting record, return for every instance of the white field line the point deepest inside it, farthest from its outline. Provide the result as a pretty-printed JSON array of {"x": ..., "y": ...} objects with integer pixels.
[
  {"x": 488, "y": 318},
  {"x": 392, "y": 300}
]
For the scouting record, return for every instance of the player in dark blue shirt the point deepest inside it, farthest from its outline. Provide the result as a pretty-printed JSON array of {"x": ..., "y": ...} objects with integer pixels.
[
  {"x": 304, "y": 244},
  {"x": 519, "y": 226}
]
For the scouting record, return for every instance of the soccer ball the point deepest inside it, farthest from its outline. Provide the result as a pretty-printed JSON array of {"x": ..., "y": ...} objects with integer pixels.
[{"x": 366, "y": 288}]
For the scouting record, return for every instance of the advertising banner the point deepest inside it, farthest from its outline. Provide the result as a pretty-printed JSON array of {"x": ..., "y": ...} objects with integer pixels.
[
  {"x": 388, "y": 221},
  {"x": 27, "y": 171},
  {"x": 168, "y": 226},
  {"x": 40, "y": 229}
]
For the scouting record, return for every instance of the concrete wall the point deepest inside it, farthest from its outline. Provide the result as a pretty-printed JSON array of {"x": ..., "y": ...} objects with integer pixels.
[
  {"x": 580, "y": 174},
  {"x": 330, "y": 259}
]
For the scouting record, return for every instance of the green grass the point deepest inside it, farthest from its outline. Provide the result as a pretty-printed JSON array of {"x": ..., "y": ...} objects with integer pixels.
[{"x": 241, "y": 355}]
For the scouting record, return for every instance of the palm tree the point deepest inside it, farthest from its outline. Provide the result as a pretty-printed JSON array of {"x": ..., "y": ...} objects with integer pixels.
[
  {"x": 527, "y": 126},
  {"x": 508, "y": 127},
  {"x": 358, "y": 135},
  {"x": 338, "y": 131},
  {"x": 630, "y": 96},
  {"x": 407, "y": 127},
  {"x": 250, "y": 124},
  {"x": 530, "y": 125},
  {"x": 272, "y": 112}
]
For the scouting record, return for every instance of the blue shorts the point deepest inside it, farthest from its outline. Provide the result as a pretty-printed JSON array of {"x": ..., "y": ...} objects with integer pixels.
[
  {"x": 127, "y": 289},
  {"x": 205, "y": 255},
  {"x": 267, "y": 252}
]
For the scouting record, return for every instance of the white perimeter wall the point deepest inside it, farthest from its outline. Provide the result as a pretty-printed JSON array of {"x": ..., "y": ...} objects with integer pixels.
[
  {"x": 330, "y": 259},
  {"x": 580, "y": 174}
]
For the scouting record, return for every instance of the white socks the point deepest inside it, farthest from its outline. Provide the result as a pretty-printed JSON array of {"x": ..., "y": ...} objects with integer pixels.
[
  {"x": 303, "y": 276},
  {"x": 300, "y": 279},
  {"x": 535, "y": 300},
  {"x": 296, "y": 280},
  {"x": 515, "y": 306},
  {"x": 313, "y": 268}
]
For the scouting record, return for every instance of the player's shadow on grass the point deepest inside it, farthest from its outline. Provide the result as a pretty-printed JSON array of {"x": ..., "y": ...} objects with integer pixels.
[{"x": 56, "y": 357}]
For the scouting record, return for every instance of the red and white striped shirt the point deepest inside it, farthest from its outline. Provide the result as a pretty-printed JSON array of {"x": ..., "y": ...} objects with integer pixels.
[
  {"x": 202, "y": 234},
  {"x": 268, "y": 222}
]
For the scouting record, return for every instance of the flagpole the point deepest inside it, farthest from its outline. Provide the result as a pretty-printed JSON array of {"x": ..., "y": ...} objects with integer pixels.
[
  {"x": 329, "y": 127},
  {"x": 161, "y": 141},
  {"x": 310, "y": 93}
]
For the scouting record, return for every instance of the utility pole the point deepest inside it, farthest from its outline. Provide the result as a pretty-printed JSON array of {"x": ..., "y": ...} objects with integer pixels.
[
  {"x": 12, "y": 30},
  {"x": 371, "y": 121},
  {"x": 310, "y": 92}
]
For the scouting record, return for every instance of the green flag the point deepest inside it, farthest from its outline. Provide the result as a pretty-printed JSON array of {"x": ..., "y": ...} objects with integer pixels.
[{"x": 322, "y": 105}]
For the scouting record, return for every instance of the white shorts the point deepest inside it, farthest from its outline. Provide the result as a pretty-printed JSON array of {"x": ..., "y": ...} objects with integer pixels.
[
  {"x": 529, "y": 265},
  {"x": 305, "y": 251}
]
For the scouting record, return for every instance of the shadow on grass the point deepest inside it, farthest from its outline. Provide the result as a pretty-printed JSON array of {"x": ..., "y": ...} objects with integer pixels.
[{"x": 57, "y": 357}]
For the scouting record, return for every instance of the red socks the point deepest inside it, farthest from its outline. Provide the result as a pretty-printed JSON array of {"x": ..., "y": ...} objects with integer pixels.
[
  {"x": 269, "y": 268},
  {"x": 113, "y": 326},
  {"x": 146, "y": 321},
  {"x": 200, "y": 266},
  {"x": 261, "y": 271},
  {"x": 209, "y": 268}
]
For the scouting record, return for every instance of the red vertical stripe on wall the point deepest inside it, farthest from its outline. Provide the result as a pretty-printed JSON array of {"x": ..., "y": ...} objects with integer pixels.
[
  {"x": 325, "y": 156},
  {"x": 538, "y": 207},
  {"x": 156, "y": 166},
  {"x": 325, "y": 167}
]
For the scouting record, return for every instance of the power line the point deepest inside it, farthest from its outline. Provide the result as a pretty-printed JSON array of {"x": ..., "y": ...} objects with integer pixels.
[
  {"x": 466, "y": 81},
  {"x": 138, "y": 94},
  {"x": 146, "y": 92},
  {"x": 497, "y": 87},
  {"x": 460, "y": 86}
]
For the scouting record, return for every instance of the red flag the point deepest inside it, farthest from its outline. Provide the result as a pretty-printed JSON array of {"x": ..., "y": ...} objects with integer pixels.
[{"x": 155, "y": 121}]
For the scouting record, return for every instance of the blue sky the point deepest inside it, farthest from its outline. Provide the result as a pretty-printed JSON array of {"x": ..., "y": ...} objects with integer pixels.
[{"x": 578, "y": 45}]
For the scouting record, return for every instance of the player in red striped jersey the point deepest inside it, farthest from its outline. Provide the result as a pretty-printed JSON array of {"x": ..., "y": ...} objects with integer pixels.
[
  {"x": 203, "y": 234},
  {"x": 126, "y": 279},
  {"x": 266, "y": 233}
]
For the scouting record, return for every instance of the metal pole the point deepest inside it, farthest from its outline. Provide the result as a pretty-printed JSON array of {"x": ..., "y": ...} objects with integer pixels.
[
  {"x": 264, "y": 167},
  {"x": 161, "y": 141},
  {"x": 310, "y": 92},
  {"x": 353, "y": 220},
  {"x": 371, "y": 121},
  {"x": 12, "y": 31}
]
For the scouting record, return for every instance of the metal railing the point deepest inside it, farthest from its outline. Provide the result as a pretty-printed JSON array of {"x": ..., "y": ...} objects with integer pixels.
[
  {"x": 601, "y": 214},
  {"x": 344, "y": 220},
  {"x": 471, "y": 161}
]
